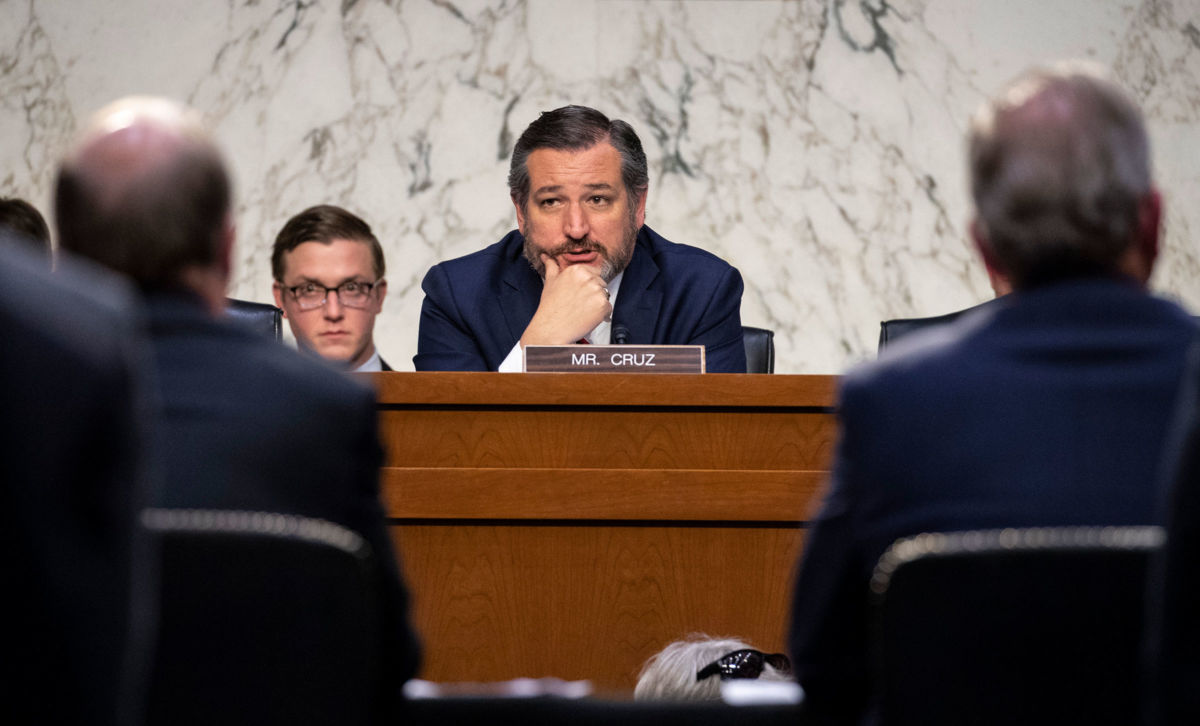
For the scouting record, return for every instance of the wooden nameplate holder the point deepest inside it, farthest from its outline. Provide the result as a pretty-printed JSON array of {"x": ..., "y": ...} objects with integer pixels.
[{"x": 614, "y": 359}]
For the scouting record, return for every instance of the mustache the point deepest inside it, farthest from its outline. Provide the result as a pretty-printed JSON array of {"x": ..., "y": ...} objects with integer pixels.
[{"x": 587, "y": 244}]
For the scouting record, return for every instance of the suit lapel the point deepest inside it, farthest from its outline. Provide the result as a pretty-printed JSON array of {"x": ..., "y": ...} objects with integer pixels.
[
  {"x": 519, "y": 296},
  {"x": 637, "y": 304}
]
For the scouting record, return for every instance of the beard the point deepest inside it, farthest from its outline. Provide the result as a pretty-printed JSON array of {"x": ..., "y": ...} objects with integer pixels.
[{"x": 611, "y": 264}]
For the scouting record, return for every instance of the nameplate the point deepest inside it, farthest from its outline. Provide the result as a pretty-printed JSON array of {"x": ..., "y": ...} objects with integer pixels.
[{"x": 614, "y": 358}]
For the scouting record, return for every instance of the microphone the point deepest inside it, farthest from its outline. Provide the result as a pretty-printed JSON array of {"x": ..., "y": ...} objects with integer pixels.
[{"x": 620, "y": 334}]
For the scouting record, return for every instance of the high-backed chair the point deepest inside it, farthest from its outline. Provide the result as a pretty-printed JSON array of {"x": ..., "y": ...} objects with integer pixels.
[
  {"x": 760, "y": 349},
  {"x": 262, "y": 318},
  {"x": 892, "y": 330},
  {"x": 1014, "y": 626},
  {"x": 265, "y": 618}
]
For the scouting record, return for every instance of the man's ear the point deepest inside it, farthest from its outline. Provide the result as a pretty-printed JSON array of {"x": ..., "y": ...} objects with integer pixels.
[
  {"x": 984, "y": 247},
  {"x": 1149, "y": 225},
  {"x": 381, "y": 293},
  {"x": 277, "y": 289},
  {"x": 225, "y": 248},
  {"x": 520, "y": 213},
  {"x": 639, "y": 212}
]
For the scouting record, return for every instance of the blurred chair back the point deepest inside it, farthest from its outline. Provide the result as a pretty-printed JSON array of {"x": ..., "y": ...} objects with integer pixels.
[
  {"x": 265, "y": 618},
  {"x": 1172, "y": 672},
  {"x": 892, "y": 330},
  {"x": 760, "y": 349},
  {"x": 263, "y": 318},
  {"x": 1014, "y": 626}
]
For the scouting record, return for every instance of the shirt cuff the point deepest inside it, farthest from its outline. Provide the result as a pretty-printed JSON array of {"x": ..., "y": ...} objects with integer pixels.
[{"x": 514, "y": 362}]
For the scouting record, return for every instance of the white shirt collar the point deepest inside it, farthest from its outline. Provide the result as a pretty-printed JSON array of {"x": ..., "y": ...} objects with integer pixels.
[{"x": 372, "y": 365}]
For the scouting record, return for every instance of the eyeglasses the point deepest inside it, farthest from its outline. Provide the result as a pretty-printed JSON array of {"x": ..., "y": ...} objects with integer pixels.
[
  {"x": 352, "y": 294},
  {"x": 745, "y": 663}
]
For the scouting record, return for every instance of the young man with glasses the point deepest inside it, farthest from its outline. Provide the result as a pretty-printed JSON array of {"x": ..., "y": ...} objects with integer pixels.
[{"x": 328, "y": 269}]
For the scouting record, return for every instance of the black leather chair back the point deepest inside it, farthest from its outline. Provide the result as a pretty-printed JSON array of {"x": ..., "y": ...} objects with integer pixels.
[
  {"x": 892, "y": 330},
  {"x": 760, "y": 349},
  {"x": 1036, "y": 626},
  {"x": 262, "y": 318},
  {"x": 265, "y": 618}
]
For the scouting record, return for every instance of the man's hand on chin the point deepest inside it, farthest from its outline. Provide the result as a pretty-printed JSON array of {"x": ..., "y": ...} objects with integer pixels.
[{"x": 574, "y": 301}]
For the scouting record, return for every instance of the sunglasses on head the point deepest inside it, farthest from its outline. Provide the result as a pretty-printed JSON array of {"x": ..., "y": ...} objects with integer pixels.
[{"x": 745, "y": 663}]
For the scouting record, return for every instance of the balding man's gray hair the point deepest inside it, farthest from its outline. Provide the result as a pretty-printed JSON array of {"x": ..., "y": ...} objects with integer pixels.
[
  {"x": 1059, "y": 165},
  {"x": 144, "y": 192}
]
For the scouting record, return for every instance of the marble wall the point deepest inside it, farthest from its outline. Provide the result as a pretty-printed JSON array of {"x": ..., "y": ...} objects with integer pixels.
[{"x": 815, "y": 144}]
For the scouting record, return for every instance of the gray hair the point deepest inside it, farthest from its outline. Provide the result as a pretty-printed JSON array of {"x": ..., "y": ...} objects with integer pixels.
[
  {"x": 1059, "y": 161},
  {"x": 670, "y": 674}
]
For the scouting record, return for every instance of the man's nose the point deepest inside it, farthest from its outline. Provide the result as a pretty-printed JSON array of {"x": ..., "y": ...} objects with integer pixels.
[
  {"x": 575, "y": 223},
  {"x": 333, "y": 305}
]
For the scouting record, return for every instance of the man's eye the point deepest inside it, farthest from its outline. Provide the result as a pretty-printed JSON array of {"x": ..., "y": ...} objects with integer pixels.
[
  {"x": 548, "y": 203},
  {"x": 308, "y": 289},
  {"x": 351, "y": 287}
]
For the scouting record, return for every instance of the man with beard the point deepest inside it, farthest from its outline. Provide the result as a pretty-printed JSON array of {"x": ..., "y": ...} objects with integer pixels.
[{"x": 581, "y": 267}]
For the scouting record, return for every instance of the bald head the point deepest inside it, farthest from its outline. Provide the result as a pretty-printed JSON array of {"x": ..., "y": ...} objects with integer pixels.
[
  {"x": 1060, "y": 174},
  {"x": 144, "y": 192}
]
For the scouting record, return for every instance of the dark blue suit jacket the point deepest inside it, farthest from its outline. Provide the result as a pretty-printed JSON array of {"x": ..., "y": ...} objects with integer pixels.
[
  {"x": 476, "y": 307},
  {"x": 1172, "y": 629},
  {"x": 250, "y": 424},
  {"x": 74, "y": 392},
  {"x": 1047, "y": 407}
]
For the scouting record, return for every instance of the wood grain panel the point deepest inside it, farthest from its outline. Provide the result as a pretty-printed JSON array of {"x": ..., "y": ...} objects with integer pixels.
[
  {"x": 572, "y": 525},
  {"x": 627, "y": 438},
  {"x": 574, "y": 389},
  {"x": 592, "y": 601},
  {"x": 599, "y": 494}
]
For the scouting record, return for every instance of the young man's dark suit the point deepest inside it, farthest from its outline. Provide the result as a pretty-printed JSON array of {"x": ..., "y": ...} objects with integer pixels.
[
  {"x": 476, "y": 307},
  {"x": 249, "y": 424},
  {"x": 1048, "y": 407},
  {"x": 79, "y": 594}
]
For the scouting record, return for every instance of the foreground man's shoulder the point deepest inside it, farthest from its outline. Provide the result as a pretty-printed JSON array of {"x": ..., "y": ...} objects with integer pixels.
[
  {"x": 507, "y": 248},
  {"x": 667, "y": 253}
]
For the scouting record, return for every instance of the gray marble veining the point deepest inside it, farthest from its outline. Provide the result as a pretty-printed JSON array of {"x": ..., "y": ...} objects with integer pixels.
[{"x": 816, "y": 144}]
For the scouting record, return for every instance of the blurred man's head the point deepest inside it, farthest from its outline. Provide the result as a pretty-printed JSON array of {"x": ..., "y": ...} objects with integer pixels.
[
  {"x": 328, "y": 268},
  {"x": 1060, "y": 175},
  {"x": 144, "y": 191},
  {"x": 25, "y": 222}
]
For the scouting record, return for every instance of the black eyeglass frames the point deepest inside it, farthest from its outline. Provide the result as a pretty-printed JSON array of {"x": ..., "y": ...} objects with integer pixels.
[{"x": 311, "y": 295}]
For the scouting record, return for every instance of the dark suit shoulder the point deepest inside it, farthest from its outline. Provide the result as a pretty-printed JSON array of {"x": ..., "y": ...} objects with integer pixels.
[
  {"x": 1084, "y": 321},
  {"x": 485, "y": 261},
  {"x": 65, "y": 311},
  {"x": 680, "y": 258},
  {"x": 222, "y": 360}
]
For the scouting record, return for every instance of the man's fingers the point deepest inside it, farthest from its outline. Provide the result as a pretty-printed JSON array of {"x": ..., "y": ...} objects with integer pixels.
[{"x": 550, "y": 264}]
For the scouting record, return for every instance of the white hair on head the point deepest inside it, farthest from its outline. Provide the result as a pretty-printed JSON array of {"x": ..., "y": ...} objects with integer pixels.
[{"x": 670, "y": 674}]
